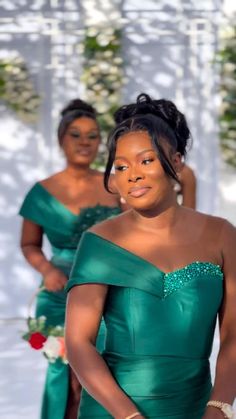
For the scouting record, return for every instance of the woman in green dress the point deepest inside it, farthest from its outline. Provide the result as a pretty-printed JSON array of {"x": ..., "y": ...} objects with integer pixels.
[
  {"x": 159, "y": 273},
  {"x": 61, "y": 208}
]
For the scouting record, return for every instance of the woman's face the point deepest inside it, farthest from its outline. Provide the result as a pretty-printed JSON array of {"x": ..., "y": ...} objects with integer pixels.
[
  {"x": 139, "y": 175},
  {"x": 81, "y": 140}
]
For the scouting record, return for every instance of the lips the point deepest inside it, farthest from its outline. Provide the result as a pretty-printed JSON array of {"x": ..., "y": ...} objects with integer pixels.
[
  {"x": 138, "y": 191},
  {"x": 83, "y": 152}
]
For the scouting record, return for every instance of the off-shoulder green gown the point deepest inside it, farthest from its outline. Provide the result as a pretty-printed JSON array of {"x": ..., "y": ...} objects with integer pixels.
[
  {"x": 160, "y": 328},
  {"x": 63, "y": 230}
]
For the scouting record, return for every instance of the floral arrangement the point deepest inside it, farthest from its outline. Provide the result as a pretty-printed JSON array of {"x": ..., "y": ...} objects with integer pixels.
[
  {"x": 227, "y": 60},
  {"x": 17, "y": 90},
  {"x": 103, "y": 73},
  {"x": 46, "y": 339}
]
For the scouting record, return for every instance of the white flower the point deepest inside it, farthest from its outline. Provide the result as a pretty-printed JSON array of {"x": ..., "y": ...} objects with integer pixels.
[
  {"x": 51, "y": 347},
  {"x": 103, "y": 40},
  {"x": 43, "y": 318},
  {"x": 59, "y": 329},
  {"x": 92, "y": 31},
  {"x": 108, "y": 54},
  {"x": 104, "y": 66},
  {"x": 118, "y": 60}
]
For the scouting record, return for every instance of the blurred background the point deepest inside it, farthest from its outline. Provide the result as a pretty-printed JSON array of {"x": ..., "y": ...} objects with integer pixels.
[{"x": 106, "y": 52}]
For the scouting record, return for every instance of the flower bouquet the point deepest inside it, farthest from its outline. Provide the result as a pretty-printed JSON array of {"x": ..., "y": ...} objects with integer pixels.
[{"x": 47, "y": 339}]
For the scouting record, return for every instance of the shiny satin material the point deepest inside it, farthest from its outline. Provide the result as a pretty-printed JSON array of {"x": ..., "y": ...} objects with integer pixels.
[
  {"x": 158, "y": 343},
  {"x": 63, "y": 230}
]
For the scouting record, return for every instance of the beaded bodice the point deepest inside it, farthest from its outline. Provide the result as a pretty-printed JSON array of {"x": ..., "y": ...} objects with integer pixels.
[{"x": 173, "y": 281}]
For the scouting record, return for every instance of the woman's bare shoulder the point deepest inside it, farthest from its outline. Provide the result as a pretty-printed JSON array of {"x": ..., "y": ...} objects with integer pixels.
[
  {"x": 187, "y": 170},
  {"x": 216, "y": 224},
  {"x": 50, "y": 181},
  {"x": 112, "y": 227},
  {"x": 211, "y": 219}
]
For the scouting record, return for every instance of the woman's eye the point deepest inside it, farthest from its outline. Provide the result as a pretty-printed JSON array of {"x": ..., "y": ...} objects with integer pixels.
[
  {"x": 93, "y": 136},
  {"x": 147, "y": 161},
  {"x": 120, "y": 168},
  {"x": 75, "y": 134}
]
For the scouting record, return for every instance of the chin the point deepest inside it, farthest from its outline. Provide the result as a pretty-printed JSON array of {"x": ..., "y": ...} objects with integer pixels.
[
  {"x": 141, "y": 204},
  {"x": 83, "y": 160}
]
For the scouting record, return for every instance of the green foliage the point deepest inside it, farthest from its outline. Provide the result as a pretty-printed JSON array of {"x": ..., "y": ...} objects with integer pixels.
[
  {"x": 227, "y": 60},
  {"x": 103, "y": 75},
  {"x": 39, "y": 325},
  {"x": 16, "y": 89}
]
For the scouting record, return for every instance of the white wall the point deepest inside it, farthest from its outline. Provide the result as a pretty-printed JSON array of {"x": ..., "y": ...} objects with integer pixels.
[{"x": 168, "y": 53}]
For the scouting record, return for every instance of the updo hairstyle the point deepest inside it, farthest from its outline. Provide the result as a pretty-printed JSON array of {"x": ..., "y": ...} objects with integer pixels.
[
  {"x": 75, "y": 109},
  {"x": 163, "y": 122}
]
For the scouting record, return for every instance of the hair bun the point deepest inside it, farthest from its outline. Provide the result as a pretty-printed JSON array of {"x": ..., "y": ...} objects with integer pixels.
[
  {"x": 78, "y": 105},
  {"x": 143, "y": 106},
  {"x": 162, "y": 108},
  {"x": 168, "y": 111}
]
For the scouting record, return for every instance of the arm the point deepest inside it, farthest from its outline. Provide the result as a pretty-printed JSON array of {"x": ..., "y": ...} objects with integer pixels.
[
  {"x": 86, "y": 302},
  {"x": 225, "y": 381},
  {"x": 31, "y": 246},
  {"x": 188, "y": 186}
]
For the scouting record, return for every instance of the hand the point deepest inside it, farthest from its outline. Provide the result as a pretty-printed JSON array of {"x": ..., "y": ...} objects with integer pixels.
[{"x": 54, "y": 280}]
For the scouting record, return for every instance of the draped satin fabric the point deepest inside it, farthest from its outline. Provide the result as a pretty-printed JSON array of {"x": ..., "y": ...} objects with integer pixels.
[
  {"x": 160, "y": 328},
  {"x": 63, "y": 229}
]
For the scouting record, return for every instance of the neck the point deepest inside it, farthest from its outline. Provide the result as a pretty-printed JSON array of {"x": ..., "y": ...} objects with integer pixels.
[
  {"x": 162, "y": 217},
  {"x": 76, "y": 172}
]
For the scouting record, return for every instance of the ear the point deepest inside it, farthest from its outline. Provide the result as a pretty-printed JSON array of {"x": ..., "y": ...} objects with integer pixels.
[{"x": 177, "y": 162}]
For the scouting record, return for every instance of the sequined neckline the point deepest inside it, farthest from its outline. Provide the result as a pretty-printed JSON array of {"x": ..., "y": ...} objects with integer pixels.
[
  {"x": 180, "y": 277},
  {"x": 198, "y": 264},
  {"x": 82, "y": 210}
]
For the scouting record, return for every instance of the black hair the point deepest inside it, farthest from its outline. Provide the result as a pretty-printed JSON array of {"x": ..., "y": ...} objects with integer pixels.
[
  {"x": 75, "y": 109},
  {"x": 161, "y": 119}
]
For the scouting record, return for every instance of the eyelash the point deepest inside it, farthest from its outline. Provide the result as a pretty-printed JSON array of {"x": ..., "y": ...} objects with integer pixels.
[
  {"x": 121, "y": 168},
  {"x": 90, "y": 137},
  {"x": 147, "y": 160}
]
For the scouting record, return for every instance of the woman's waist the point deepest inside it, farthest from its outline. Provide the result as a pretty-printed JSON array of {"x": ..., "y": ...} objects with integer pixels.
[
  {"x": 63, "y": 259},
  {"x": 158, "y": 375}
]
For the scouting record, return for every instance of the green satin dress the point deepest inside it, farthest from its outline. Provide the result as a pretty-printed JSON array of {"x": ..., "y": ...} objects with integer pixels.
[
  {"x": 63, "y": 229},
  {"x": 160, "y": 329}
]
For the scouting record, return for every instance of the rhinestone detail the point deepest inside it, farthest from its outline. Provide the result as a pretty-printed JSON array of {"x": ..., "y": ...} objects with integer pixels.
[{"x": 175, "y": 280}]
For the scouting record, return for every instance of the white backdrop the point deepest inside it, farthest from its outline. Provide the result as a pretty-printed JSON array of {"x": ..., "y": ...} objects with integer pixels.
[{"x": 168, "y": 52}]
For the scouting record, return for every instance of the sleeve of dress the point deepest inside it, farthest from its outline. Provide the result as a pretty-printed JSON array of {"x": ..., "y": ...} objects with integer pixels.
[
  {"x": 31, "y": 208},
  {"x": 99, "y": 261},
  {"x": 91, "y": 264}
]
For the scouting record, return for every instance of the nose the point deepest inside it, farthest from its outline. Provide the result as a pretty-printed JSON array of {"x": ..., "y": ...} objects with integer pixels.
[
  {"x": 134, "y": 178},
  {"x": 84, "y": 140}
]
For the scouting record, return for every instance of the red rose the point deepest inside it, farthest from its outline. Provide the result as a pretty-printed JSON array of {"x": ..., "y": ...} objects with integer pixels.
[{"x": 37, "y": 340}]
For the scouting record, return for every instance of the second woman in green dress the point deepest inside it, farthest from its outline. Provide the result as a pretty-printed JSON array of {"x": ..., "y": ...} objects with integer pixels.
[{"x": 61, "y": 208}]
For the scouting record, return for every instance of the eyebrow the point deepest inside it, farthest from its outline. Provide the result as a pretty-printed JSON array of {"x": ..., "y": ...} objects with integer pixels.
[
  {"x": 141, "y": 152},
  {"x": 94, "y": 130}
]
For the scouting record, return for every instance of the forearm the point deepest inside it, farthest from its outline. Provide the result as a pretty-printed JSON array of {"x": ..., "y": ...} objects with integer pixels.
[
  {"x": 95, "y": 376},
  {"x": 225, "y": 380},
  {"x": 36, "y": 258}
]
